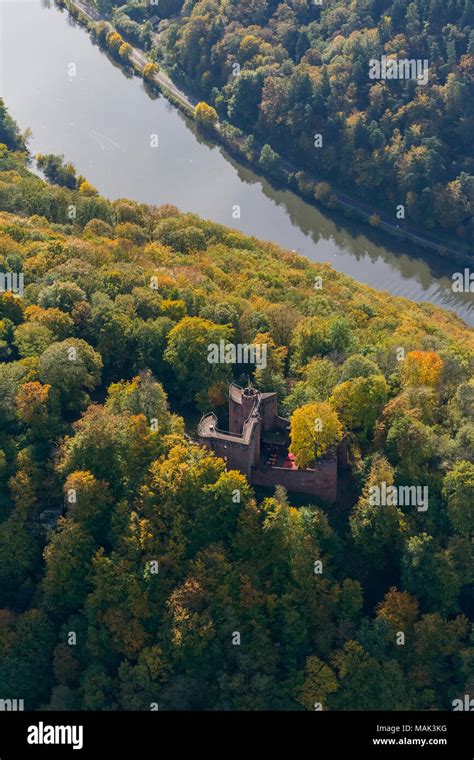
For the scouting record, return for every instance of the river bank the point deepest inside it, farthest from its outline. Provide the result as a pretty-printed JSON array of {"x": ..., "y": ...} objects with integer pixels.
[
  {"x": 102, "y": 119},
  {"x": 299, "y": 181}
]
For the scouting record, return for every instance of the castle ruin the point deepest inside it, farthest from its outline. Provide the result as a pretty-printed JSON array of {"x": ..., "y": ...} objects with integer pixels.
[{"x": 257, "y": 444}]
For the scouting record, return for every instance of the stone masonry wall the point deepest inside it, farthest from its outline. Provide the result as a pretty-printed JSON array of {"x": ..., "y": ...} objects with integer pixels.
[{"x": 320, "y": 482}]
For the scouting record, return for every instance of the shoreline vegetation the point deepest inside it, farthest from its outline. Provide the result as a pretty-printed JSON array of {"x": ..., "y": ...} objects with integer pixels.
[{"x": 269, "y": 163}]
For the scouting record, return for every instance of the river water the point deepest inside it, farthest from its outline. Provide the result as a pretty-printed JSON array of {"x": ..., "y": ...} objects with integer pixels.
[{"x": 103, "y": 121}]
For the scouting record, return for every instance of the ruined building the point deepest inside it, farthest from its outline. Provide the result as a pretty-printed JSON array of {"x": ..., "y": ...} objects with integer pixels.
[{"x": 257, "y": 444}]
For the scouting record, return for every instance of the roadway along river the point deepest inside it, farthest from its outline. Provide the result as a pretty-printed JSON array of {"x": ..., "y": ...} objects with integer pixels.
[{"x": 102, "y": 120}]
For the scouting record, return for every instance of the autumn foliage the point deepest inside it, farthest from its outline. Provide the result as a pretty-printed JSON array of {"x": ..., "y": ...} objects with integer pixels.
[
  {"x": 422, "y": 368},
  {"x": 116, "y": 525}
]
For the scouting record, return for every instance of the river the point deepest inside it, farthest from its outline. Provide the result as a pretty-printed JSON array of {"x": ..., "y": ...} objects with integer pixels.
[{"x": 103, "y": 121}]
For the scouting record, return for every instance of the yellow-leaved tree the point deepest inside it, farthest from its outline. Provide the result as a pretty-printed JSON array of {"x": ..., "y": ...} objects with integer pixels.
[
  {"x": 422, "y": 368},
  {"x": 85, "y": 188},
  {"x": 114, "y": 42},
  {"x": 125, "y": 51},
  {"x": 205, "y": 115},
  {"x": 150, "y": 70},
  {"x": 314, "y": 429}
]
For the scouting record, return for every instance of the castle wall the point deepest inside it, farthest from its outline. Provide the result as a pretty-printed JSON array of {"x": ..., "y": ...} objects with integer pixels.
[
  {"x": 281, "y": 424},
  {"x": 320, "y": 482},
  {"x": 236, "y": 418},
  {"x": 268, "y": 411},
  {"x": 240, "y": 456},
  {"x": 343, "y": 454},
  {"x": 248, "y": 400},
  {"x": 241, "y": 405}
]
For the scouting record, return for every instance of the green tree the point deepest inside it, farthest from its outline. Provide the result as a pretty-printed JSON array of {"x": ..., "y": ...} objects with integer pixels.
[
  {"x": 68, "y": 558},
  {"x": 358, "y": 365},
  {"x": 25, "y": 665},
  {"x": 72, "y": 367},
  {"x": 55, "y": 170},
  {"x": 9, "y": 132},
  {"x": 32, "y": 339},
  {"x": 367, "y": 683},
  {"x": 116, "y": 448},
  {"x": 411, "y": 446},
  {"x": 359, "y": 401},
  {"x": 62, "y": 295},
  {"x": 458, "y": 490},
  {"x": 311, "y": 338},
  {"x": 320, "y": 681},
  {"x": 378, "y": 528},
  {"x": 429, "y": 573},
  {"x": 193, "y": 353},
  {"x": 268, "y": 158},
  {"x": 142, "y": 395},
  {"x": 89, "y": 503}
]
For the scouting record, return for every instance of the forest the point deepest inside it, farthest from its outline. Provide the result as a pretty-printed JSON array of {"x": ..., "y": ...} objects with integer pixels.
[
  {"x": 291, "y": 81},
  {"x": 130, "y": 575}
]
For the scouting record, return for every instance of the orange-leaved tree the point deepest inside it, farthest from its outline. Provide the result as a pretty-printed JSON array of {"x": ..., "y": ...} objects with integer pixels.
[{"x": 422, "y": 368}]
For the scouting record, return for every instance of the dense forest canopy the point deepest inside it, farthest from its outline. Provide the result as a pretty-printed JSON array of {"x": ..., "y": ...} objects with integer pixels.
[
  {"x": 158, "y": 585},
  {"x": 283, "y": 73}
]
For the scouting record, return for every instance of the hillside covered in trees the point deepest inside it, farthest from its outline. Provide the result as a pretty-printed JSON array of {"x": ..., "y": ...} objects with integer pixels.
[
  {"x": 294, "y": 77},
  {"x": 157, "y": 585}
]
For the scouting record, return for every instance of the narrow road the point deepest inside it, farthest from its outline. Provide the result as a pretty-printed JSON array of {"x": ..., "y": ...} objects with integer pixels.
[{"x": 137, "y": 56}]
